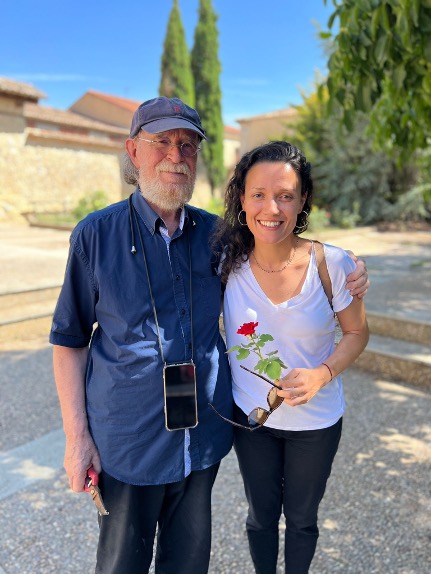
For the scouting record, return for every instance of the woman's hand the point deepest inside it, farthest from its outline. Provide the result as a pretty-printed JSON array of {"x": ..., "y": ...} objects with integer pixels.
[{"x": 300, "y": 385}]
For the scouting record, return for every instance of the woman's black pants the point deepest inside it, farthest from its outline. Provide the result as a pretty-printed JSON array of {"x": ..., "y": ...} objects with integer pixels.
[{"x": 284, "y": 470}]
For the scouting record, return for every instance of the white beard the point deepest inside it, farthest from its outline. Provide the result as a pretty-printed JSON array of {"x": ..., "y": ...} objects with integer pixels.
[{"x": 167, "y": 197}]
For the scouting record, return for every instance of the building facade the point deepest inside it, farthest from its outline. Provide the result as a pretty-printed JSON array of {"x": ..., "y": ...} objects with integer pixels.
[
  {"x": 51, "y": 158},
  {"x": 257, "y": 130}
]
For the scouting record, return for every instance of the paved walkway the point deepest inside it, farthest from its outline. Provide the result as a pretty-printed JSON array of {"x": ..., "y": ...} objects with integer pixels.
[
  {"x": 375, "y": 517},
  {"x": 31, "y": 257},
  {"x": 399, "y": 264}
]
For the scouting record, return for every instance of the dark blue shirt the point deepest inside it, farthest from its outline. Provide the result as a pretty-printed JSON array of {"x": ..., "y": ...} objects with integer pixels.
[{"x": 106, "y": 285}]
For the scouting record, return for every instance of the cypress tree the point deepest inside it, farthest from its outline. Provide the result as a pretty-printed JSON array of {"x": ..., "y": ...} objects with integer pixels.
[
  {"x": 206, "y": 69},
  {"x": 177, "y": 77}
]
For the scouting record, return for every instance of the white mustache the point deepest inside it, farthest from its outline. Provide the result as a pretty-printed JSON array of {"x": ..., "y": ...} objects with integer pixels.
[{"x": 173, "y": 167}]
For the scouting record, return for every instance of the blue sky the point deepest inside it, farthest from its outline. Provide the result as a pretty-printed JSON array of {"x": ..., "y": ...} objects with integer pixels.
[{"x": 269, "y": 49}]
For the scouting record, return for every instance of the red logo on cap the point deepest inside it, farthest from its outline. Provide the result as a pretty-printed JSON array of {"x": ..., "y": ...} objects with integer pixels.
[{"x": 177, "y": 109}]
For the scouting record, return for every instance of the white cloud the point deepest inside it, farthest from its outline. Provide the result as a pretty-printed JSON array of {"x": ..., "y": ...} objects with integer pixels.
[{"x": 42, "y": 77}]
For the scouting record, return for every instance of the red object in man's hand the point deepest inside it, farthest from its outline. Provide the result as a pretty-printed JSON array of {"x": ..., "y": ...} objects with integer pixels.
[{"x": 91, "y": 482}]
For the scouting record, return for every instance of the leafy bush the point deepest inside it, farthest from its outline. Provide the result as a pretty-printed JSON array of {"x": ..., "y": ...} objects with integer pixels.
[
  {"x": 93, "y": 202},
  {"x": 216, "y": 205},
  {"x": 346, "y": 219},
  {"x": 412, "y": 205},
  {"x": 356, "y": 183},
  {"x": 52, "y": 219},
  {"x": 319, "y": 219}
]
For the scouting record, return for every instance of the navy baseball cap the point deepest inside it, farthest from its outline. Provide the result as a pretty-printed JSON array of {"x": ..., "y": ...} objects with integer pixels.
[{"x": 163, "y": 114}]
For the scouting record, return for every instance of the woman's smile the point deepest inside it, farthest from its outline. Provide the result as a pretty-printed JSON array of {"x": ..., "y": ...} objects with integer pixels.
[{"x": 270, "y": 224}]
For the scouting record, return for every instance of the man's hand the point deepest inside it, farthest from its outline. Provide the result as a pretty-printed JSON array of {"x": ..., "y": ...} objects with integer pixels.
[
  {"x": 81, "y": 453},
  {"x": 358, "y": 281}
]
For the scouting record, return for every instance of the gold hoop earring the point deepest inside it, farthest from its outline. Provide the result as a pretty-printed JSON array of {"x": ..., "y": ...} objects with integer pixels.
[
  {"x": 301, "y": 228},
  {"x": 239, "y": 219}
]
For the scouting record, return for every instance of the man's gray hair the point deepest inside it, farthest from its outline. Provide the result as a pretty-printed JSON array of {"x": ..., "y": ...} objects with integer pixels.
[{"x": 130, "y": 172}]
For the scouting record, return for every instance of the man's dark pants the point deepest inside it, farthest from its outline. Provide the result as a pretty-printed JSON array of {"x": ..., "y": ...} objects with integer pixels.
[{"x": 180, "y": 510}]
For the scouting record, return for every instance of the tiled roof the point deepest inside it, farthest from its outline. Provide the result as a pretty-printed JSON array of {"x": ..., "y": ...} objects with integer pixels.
[
  {"x": 66, "y": 118},
  {"x": 126, "y": 104},
  {"x": 285, "y": 112},
  {"x": 20, "y": 89},
  {"x": 132, "y": 105},
  {"x": 35, "y": 134},
  {"x": 231, "y": 130}
]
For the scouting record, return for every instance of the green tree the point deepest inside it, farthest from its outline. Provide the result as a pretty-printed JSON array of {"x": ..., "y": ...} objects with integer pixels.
[
  {"x": 177, "y": 77},
  {"x": 206, "y": 69},
  {"x": 355, "y": 183},
  {"x": 381, "y": 63}
]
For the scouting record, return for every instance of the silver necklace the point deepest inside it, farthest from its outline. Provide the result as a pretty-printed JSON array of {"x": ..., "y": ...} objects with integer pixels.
[{"x": 277, "y": 270}]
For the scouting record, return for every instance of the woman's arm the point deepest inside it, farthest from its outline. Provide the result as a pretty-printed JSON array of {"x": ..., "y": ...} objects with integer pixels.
[
  {"x": 81, "y": 452},
  {"x": 300, "y": 385}
]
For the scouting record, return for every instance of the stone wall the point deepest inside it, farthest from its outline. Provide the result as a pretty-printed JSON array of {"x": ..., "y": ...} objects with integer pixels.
[
  {"x": 47, "y": 178},
  {"x": 49, "y": 170},
  {"x": 37, "y": 178}
]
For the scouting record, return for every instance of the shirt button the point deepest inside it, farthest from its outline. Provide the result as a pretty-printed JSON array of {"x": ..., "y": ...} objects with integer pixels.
[
  {"x": 183, "y": 312},
  {"x": 177, "y": 277}
]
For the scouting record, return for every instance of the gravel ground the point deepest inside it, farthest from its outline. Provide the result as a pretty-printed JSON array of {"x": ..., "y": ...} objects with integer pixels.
[{"x": 375, "y": 517}]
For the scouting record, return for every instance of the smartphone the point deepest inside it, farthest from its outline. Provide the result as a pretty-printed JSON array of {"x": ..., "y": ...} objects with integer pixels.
[{"x": 181, "y": 408}]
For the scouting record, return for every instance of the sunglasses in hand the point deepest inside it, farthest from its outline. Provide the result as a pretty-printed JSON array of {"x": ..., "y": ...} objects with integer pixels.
[{"x": 259, "y": 415}]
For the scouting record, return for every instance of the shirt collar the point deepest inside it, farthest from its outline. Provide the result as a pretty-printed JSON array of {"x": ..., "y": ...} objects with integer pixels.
[{"x": 151, "y": 218}]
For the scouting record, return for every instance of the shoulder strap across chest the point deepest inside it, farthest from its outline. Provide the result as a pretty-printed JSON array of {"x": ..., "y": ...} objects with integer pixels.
[{"x": 322, "y": 269}]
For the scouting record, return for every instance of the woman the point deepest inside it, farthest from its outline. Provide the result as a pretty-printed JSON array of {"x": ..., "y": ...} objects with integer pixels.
[{"x": 272, "y": 279}]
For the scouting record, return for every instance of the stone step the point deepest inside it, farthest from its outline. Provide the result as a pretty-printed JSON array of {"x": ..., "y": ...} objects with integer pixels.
[
  {"x": 398, "y": 347},
  {"x": 25, "y": 330},
  {"x": 27, "y": 305},
  {"x": 34, "y": 303},
  {"x": 402, "y": 360},
  {"x": 402, "y": 328}
]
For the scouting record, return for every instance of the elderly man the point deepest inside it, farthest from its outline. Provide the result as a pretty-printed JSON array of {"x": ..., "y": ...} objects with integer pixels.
[{"x": 142, "y": 292}]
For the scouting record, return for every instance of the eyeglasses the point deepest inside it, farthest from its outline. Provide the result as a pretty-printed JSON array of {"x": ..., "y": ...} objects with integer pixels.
[
  {"x": 259, "y": 415},
  {"x": 188, "y": 149}
]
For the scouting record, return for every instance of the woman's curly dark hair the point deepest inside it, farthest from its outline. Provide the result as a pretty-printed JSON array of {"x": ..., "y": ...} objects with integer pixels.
[{"x": 236, "y": 241}]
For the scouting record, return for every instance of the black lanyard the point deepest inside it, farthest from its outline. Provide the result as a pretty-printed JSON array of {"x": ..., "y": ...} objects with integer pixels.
[{"x": 132, "y": 210}]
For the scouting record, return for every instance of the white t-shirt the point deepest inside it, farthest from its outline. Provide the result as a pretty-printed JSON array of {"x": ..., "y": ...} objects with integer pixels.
[{"x": 304, "y": 333}]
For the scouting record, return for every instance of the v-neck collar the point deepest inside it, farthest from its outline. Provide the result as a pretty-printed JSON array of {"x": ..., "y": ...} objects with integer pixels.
[{"x": 287, "y": 302}]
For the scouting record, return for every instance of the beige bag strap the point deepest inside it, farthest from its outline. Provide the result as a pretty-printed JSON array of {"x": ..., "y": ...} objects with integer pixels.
[{"x": 322, "y": 269}]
